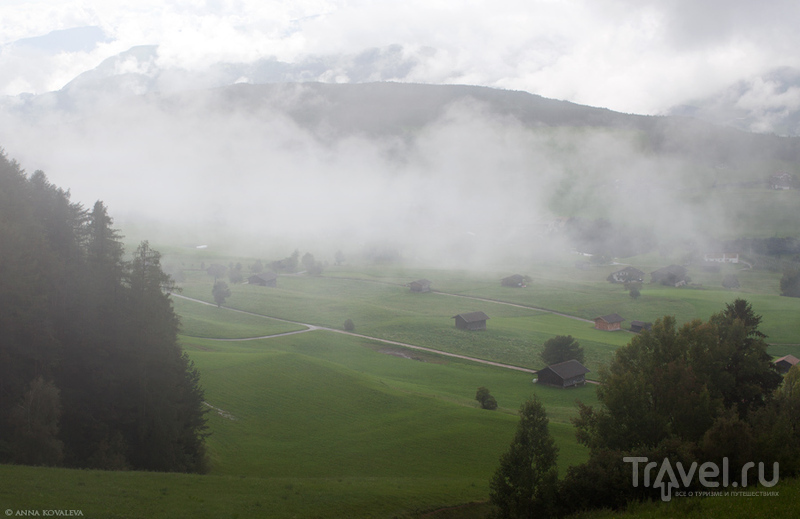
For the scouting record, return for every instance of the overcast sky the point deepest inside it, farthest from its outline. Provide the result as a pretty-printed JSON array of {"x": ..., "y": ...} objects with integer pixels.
[{"x": 629, "y": 55}]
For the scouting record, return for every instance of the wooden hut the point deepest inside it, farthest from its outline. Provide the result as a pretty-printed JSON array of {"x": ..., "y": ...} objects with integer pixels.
[
  {"x": 564, "y": 374},
  {"x": 639, "y": 326},
  {"x": 420, "y": 285},
  {"x": 785, "y": 363},
  {"x": 514, "y": 280},
  {"x": 609, "y": 323},
  {"x": 471, "y": 321},
  {"x": 264, "y": 279},
  {"x": 626, "y": 275},
  {"x": 673, "y": 275}
]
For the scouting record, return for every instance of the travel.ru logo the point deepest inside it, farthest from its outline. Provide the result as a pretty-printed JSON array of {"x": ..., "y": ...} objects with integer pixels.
[{"x": 707, "y": 474}]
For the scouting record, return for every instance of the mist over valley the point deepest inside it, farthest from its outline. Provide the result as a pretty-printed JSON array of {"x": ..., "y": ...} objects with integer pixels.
[
  {"x": 365, "y": 259},
  {"x": 457, "y": 175}
]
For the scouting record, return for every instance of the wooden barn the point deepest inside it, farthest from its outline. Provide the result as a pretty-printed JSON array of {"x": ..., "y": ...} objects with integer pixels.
[
  {"x": 514, "y": 280},
  {"x": 609, "y": 323},
  {"x": 626, "y": 275},
  {"x": 420, "y": 285},
  {"x": 564, "y": 374},
  {"x": 780, "y": 181},
  {"x": 471, "y": 321},
  {"x": 639, "y": 326},
  {"x": 264, "y": 279},
  {"x": 785, "y": 363},
  {"x": 721, "y": 257},
  {"x": 673, "y": 275}
]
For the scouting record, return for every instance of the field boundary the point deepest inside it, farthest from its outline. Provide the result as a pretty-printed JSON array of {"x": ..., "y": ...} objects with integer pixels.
[{"x": 313, "y": 327}]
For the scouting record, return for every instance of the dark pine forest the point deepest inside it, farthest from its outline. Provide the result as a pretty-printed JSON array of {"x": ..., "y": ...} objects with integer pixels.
[{"x": 91, "y": 372}]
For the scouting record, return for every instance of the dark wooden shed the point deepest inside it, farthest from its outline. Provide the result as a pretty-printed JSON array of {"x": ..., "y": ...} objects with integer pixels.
[
  {"x": 608, "y": 322},
  {"x": 626, "y": 275},
  {"x": 264, "y": 279},
  {"x": 639, "y": 326},
  {"x": 564, "y": 374},
  {"x": 673, "y": 275},
  {"x": 785, "y": 363},
  {"x": 420, "y": 285},
  {"x": 514, "y": 280},
  {"x": 471, "y": 321}
]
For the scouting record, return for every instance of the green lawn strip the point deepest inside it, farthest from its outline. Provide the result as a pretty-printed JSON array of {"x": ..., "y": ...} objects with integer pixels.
[
  {"x": 588, "y": 300},
  {"x": 395, "y": 313},
  {"x": 199, "y": 320},
  {"x": 429, "y": 374},
  {"x": 783, "y": 505},
  {"x": 587, "y": 294},
  {"x": 352, "y": 423},
  {"x": 144, "y": 495}
]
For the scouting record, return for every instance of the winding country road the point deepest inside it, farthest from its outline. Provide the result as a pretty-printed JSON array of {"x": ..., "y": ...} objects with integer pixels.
[{"x": 313, "y": 327}]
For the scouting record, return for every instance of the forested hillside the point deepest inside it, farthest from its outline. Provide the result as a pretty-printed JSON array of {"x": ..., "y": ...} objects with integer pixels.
[{"x": 91, "y": 374}]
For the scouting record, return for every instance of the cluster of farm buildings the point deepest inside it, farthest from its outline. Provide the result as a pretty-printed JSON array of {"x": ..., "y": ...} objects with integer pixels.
[{"x": 570, "y": 373}]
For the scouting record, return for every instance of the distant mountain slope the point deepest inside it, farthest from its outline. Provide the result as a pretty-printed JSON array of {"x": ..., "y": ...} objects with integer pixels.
[
  {"x": 447, "y": 171},
  {"x": 765, "y": 104},
  {"x": 397, "y": 108}
]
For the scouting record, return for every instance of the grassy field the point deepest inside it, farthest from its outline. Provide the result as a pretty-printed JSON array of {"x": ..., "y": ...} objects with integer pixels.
[
  {"x": 326, "y": 424},
  {"x": 321, "y": 424},
  {"x": 220, "y": 323},
  {"x": 381, "y": 306}
]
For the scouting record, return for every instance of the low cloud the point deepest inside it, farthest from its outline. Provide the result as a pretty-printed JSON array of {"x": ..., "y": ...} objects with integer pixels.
[{"x": 471, "y": 188}]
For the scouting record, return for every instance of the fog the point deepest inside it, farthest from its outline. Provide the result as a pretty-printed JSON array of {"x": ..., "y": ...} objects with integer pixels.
[{"x": 470, "y": 189}]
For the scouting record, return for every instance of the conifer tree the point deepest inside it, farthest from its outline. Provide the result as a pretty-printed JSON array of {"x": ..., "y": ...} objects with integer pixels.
[{"x": 525, "y": 483}]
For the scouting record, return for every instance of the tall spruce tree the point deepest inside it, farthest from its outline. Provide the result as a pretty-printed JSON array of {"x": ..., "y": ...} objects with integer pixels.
[
  {"x": 91, "y": 371},
  {"x": 525, "y": 483}
]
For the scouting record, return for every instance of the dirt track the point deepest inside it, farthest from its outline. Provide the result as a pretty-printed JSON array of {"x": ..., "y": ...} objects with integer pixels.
[{"x": 312, "y": 327}]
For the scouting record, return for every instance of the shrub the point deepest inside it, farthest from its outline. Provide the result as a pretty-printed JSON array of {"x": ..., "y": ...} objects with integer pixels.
[{"x": 486, "y": 400}]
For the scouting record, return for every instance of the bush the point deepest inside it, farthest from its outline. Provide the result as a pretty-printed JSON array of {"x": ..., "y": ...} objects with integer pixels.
[
  {"x": 486, "y": 400},
  {"x": 349, "y": 326}
]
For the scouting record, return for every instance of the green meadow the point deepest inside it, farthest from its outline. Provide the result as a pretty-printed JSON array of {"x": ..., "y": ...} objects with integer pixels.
[{"x": 322, "y": 423}]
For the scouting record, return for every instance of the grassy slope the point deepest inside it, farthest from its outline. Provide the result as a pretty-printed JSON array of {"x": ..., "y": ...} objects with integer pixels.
[
  {"x": 325, "y": 425},
  {"x": 515, "y": 335},
  {"x": 207, "y": 321},
  {"x": 331, "y": 425},
  {"x": 387, "y": 411},
  {"x": 380, "y": 306},
  {"x": 783, "y": 505}
]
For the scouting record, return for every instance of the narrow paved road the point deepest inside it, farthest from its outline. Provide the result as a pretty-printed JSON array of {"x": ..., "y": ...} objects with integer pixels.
[{"x": 312, "y": 327}]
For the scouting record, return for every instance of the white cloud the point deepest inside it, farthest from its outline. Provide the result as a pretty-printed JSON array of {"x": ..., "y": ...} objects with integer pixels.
[{"x": 623, "y": 54}]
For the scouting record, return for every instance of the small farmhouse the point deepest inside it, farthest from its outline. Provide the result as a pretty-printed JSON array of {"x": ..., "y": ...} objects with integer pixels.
[
  {"x": 722, "y": 257},
  {"x": 640, "y": 326},
  {"x": 420, "y": 285},
  {"x": 780, "y": 181},
  {"x": 609, "y": 323},
  {"x": 514, "y": 280},
  {"x": 626, "y": 275},
  {"x": 564, "y": 374},
  {"x": 673, "y": 275},
  {"x": 785, "y": 363},
  {"x": 471, "y": 321},
  {"x": 264, "y": 279}
]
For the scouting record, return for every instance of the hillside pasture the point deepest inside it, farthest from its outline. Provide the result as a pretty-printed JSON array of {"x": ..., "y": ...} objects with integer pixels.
[
  {"x": 515, "y": 334},
  {"x": 222, "y": 323}
]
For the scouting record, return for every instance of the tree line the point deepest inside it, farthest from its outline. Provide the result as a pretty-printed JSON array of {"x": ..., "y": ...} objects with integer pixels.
[
  {"x": 91, "y": 372},
  {"x": 703, "y": 392}
]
